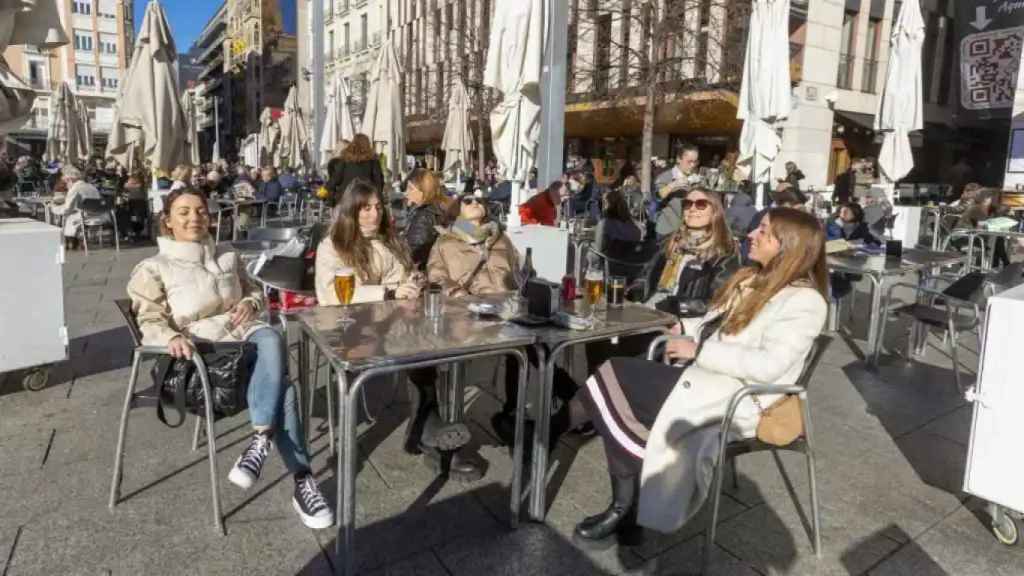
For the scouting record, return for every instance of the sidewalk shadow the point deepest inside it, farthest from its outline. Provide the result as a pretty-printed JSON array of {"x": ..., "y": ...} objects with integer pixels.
[{"x": 910, "y": 558}]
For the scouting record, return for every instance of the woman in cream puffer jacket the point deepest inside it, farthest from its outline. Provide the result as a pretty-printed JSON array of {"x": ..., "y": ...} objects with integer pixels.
[{"x": 194, "y": 291}]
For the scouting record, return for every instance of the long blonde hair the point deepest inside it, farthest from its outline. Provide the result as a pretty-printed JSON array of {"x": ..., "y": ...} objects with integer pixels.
[
  {"x": 428, "y": 182},
  {"x": 719, "y": 236},
  {"x": 801, "y": 258}
]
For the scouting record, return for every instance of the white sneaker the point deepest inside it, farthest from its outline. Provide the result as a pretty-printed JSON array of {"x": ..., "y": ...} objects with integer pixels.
[
  {"x": 311, "y": 505},
  {"x": 247, "y": 468}
]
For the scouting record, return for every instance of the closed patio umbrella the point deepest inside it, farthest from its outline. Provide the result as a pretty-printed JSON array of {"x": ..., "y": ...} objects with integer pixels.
[
  {"x": 514, "y": 60},
  {"x": 294, "y": 138},
  {"x": 149, "y": 99},
  {"x": 766, "y": 94},
  {"x": 65, "y": 134},
  {"x": 338, "y": 124},
  {"x": 383, "y": 120},
  {"x": 123, "y": 142},
  {"x": 34, "y": 23},
  {"x": 192, "y": 122},
  {"x": 269, "y": 139},
  {"x": 86, "y": 125},
  {"x": 458, "y": 139},
  {"x": 900, "y": 107}
]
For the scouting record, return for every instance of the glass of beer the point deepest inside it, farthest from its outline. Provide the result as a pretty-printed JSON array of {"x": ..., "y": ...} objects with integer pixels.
[
  {"x": 616, "y": 292},
  {"x": 344, "y": 289},
  {"x": 593, "y": 288}
]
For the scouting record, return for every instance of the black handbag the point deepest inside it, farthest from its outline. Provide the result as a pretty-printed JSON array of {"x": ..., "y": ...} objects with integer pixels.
[{"x": 228, "y": 366}]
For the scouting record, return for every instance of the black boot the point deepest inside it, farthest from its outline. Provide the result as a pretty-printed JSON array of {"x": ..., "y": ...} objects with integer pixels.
[
  {"x": 618, "y": 519},
  {"x": 423, "y": 403},
  {"x": 454, "y": 465}
]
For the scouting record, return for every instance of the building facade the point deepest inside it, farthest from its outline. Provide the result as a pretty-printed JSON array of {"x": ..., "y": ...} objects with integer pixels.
[{"x": 94, "y": 62}]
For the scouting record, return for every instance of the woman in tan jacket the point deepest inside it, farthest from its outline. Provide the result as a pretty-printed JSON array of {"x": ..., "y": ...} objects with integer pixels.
[
  {"x": 194, "y": 290},
  {"x": 473, "y": 256}
]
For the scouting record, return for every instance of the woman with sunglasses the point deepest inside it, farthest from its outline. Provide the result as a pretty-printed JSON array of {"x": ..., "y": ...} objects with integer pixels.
[
  {"x": 658, "y": 422},
  {"x": 473, "y": 256},
  {"x": 699, "y": 258}
]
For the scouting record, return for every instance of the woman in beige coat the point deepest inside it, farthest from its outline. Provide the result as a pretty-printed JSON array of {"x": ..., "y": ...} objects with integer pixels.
[
  {"x": 473, "y": 256},
  {"x": 193, "y": 291},
  {"x": 660, "y": 424}
]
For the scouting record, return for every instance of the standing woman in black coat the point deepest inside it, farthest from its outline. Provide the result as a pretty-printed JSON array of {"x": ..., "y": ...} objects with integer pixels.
[
  {"x": 357, "y": 161},
  {"x": 425, "y": 198}
]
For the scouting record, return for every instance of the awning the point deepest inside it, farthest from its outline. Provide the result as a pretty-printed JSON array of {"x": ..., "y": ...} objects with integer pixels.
[{"x": 867, "y": 121}]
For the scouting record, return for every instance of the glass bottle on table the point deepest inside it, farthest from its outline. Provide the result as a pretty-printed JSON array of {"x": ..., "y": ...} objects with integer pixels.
[{"x": 526, "y": 273}]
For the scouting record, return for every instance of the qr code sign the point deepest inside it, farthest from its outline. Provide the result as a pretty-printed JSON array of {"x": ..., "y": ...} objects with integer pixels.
[{"x": 988, "y": 68}]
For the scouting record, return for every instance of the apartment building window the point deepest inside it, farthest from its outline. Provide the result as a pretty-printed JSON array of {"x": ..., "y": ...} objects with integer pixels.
[
  {"x": 108, "y": 43},
  {"x": 330, "y": 45},
  {"x": 846, "y": 51},
  {"x": 869, "y": 83},
  {"x": 83, "y": 7},
  {"x": 346, "y": 40},
  {"x": 440, "y": 86},
  {"x": 364, "y": 28},
  {"x": 37, "y": 74},
  {"x": 602, "y": 52},
  {"x": 110, "y": 79},
  {"x": 83, "y": 40},
  {"x": 85, "y": 76},
  {"x": 107, "y": 9}
]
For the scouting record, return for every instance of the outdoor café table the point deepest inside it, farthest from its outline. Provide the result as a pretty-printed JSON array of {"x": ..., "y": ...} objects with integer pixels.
[
  {"x": 37, "y": 203},
  {"x": 235, "y": 205},
  {"x": 937, "y": 213},
  {"x": 988, "y": 248},
  {"x": 629, "y": 320},
  {"x": 389, "y": 337},
  {"x": 880, "y": 269}
]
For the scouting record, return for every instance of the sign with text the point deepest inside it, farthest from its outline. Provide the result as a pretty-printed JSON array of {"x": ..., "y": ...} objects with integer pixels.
[{"x": 991, "y": 38}]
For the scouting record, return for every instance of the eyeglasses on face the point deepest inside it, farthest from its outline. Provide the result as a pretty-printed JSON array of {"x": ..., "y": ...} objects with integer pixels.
[
  {"x": 699, "y": 205},
  {"x": 467, "y": 200}
]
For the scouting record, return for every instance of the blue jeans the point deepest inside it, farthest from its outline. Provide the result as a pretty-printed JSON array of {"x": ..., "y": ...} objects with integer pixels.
[{"x": 272, "y": 399}]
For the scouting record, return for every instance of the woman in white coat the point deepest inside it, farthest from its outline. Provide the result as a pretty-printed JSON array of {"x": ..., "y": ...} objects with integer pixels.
[
  {"x": 660, "y": 424},
  {"x": 194, "y": 290}
]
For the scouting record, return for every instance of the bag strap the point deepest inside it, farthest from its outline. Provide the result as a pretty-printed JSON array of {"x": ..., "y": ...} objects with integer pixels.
[
  {"x": 179, "y": 396},
  {"x": 484, "y": 256}
]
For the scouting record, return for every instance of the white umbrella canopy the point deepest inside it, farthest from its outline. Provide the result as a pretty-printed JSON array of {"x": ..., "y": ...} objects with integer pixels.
[
  {"x": 901, "y": 105},
  {"x": 766, "y": 93},
  {"x": 383, "y": 120},
  {"x": 458, "y": 139},
  {"x": 123, "y": 142},
  {"x": 294, "y": 139},
  {"x": 191, "y": 110},
  {"x": 29, "y": 22},
  {"x": 514, "y": 62},
  {"x": 269, "y": 139},
  {"x": 149, "y": 97},
  {"x": 86, "y": 126},
  {"x": 65, "y": 134},
  {"x": 338, "y": 124}
]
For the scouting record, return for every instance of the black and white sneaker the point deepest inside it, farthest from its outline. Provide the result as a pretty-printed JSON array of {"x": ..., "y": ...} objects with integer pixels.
[
  {"x": 247, "y": 468},
  {"x": 311, "y": 505}
]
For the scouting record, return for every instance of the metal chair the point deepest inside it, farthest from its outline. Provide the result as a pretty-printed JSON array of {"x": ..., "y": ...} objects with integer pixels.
[
  {"x": 637, "y": 261},
  {"x": 938, "y": 309},
  {"x": 98, "y": 214},
  {"x": 139, "y": 354},
  {"x": 728, "y": 449}
]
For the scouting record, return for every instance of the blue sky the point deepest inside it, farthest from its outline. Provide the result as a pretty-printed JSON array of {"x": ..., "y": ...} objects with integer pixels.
[{"x": 186, "y": 18}]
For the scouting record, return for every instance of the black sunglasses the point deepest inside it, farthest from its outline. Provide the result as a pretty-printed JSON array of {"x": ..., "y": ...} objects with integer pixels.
[
  {"x": 701, "y": 204},
  {"x": 467, "y": 200}
]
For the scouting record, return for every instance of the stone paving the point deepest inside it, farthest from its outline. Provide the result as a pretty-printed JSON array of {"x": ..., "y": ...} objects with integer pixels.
[{"x": 891, "y": 445}]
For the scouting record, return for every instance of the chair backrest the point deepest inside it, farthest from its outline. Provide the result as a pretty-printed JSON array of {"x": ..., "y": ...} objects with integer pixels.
[
  {"x": 124, "y": 306},
  {"x": 283, "y": 234},
  {"x": 821, "y": 343},
  {"x": 966, "y": 287},
  {"x": 94, "y": 205}
]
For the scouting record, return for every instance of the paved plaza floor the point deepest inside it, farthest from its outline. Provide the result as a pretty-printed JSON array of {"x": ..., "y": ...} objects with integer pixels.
[{"x": 891, "y": 445}]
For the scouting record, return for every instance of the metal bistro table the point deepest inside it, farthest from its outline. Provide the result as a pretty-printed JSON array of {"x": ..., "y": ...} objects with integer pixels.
[
  {"x": 629, "y": 320},
  {"x": 988, "y": 249},
  {"x": 235, "y": 206},
  {"x": 879, "y": 269},
  {"x": 388, "y": 337}
]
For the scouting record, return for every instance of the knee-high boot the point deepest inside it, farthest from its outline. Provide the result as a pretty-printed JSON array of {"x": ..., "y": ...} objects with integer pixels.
[{"x": 620, "y": 516}]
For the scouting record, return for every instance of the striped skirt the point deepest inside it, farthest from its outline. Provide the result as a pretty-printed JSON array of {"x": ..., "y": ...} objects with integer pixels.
[{"x": 624, "y": 397}]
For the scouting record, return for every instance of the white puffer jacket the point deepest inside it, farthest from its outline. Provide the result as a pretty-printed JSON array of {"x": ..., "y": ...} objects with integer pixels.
[{"x": 189, "y": 289}]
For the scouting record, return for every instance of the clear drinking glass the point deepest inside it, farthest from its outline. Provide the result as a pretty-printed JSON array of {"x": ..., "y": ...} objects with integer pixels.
[
  {"x": 616, "y": 291},
  {"x": 593, "y": 288},
  {"x": 345, "y": 289}
]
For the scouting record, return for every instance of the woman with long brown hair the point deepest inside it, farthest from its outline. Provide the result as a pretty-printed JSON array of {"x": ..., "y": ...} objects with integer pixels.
[
  {"x": 656, "y": 420},
  {"x": 362, "y": 238},
  {"x": 358, "y": 160}
]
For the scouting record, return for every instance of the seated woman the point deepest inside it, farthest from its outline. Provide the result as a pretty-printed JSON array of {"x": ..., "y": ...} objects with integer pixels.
[
  {"x": 543, "y": 207},
  {"x": 616, "y": 225},
  {"x": 193, "y": 290},
  {"x": 658, "y": 421},
  {"x": 986, "y": 204},
  {"x": 699, "y": 258},
  {"x": 362, "y": 238},
  {"x": 850, "y": 225},
  {"x": 424, "y": 195}
]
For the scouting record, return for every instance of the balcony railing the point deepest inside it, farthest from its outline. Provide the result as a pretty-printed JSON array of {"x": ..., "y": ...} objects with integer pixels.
[
  {"x": 844, "y": 78},
  {"x": 869, "y": 83}
]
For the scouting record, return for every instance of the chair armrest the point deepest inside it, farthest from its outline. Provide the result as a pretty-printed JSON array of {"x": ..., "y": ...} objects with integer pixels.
[{"x": 652, "y": 348}]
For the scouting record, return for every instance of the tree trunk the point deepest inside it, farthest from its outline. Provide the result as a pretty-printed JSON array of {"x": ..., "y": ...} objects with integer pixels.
[
  {"x": 647, "y": 147},
  {"x": 481, "y": 157}
]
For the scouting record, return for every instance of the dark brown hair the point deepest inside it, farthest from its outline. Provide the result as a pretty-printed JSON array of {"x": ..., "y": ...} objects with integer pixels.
[
  {"x": 350, "y": 244},
  {"x": 801, "y": 258},
  {"x": 169, "y": 201},
  {"x": 360, "y": 150},
  {"x": 615, "y": 206}
]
